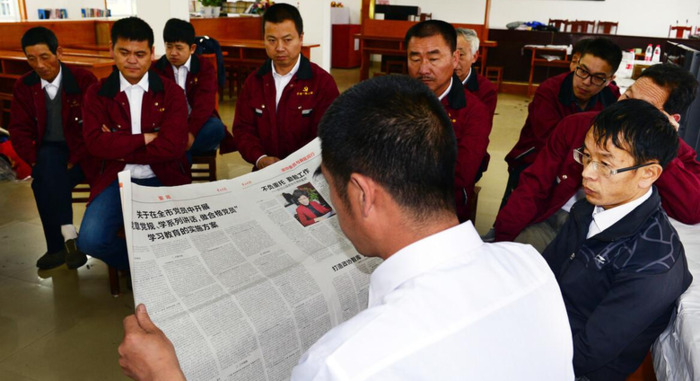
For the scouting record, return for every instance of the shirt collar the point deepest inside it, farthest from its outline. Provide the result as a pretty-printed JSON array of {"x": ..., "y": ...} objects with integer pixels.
[
  {"x": 466, "y": 79},
  {"x": 187, "y": 65},
  {"x": 291, "y": 72},
  {"x": 124, "y": 84},
  {"x": 56, "y": 81},
  {"x": 444, "y": 94},
  {"x": 420, "y": 257},
  {"x": 607, "y": 218}
]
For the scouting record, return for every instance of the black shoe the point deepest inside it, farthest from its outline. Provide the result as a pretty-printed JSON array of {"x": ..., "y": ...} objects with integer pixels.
[
  {"x": 51, "y": 260},
  {"x": 74, "y": 257}
]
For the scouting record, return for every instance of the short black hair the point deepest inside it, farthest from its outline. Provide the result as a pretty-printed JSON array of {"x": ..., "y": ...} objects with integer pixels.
[
  {"x": 681, "y": 85},
  {"x": 132, "y": 29},
  {"x": 281, "y": 12},
  {"x": 298, "y": 193},
  {"x": 40, "y": 35},
  {"x": 639, "y": 128},
  {"x": 431, "y": 28},
  {"x": 605, "y": 49},
  {"x": 580, "y": 46},
  {"x": 177, "y": 30},
  {"x": 394, "y": 130}
]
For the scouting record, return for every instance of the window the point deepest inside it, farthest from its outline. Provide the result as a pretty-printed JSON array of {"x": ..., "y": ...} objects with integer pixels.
[
  {"x": 8, "y": 10},
  {"x": 120, "y": 7}
]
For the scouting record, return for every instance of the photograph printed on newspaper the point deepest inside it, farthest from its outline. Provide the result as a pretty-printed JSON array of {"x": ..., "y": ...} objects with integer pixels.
[{"x": 244, "y": 275}]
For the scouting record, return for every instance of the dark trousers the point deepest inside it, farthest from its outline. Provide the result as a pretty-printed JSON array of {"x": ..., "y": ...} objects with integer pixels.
[
  {"x": 52, "y": 186},
  {"x": 102, "y": 222},
  {"x": 513, "y": 180}
]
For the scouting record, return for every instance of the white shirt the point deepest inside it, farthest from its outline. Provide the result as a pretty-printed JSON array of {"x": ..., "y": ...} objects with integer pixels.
[
  {"x": 444, "y": 94},
  {"x": 181, "y": 79},
  {"x": 467, "y": 77},
  {"x": 281, "y": 81},
  {"x": 450, "y": 307},
  {"x": 603, "y": 219},
  {"x": 134, "y": 93},
  {"x": 52, "y": 87},
  {"x": 181, "y": 73}
]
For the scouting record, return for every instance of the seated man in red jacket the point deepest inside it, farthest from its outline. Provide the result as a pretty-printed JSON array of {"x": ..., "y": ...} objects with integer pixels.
[
  {"x": 197, "y": 77},
  {"x": 134, "y": 120},
  {"x": 47, "y": 133},
  {"x": 540, "y": 204},
  {"x": 468, "y": 49},
  {"x": 587, "y": 88},
  {"x": 281, "y": 104},
  {"x": 432, "y": 58}
]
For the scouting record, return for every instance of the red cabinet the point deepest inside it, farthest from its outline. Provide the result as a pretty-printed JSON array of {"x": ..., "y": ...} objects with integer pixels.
[{"x": 345, "y": 52}]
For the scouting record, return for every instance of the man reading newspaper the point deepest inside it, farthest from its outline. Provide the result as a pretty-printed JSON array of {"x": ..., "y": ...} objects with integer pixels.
[{"x": 443, "y": 305}]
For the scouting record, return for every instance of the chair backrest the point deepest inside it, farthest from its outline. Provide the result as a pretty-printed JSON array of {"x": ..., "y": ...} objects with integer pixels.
[
  {"x": 558, "y": 23},
  {"x": 606, "y": 27},
  {"x": 211, "y": 57},
  {"x": 208, "y": 45},
  {"x": 581, "y": 26},
  {"x": 679, "y": 31}
]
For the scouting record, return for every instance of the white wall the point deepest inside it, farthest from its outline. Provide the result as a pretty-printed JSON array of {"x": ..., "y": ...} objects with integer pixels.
[
  {"x": 157, "y": 13},
  {"x": 636, "y": 17},
  {"x": 72, "y": 6},
  {"x": 317, "y": 28}
]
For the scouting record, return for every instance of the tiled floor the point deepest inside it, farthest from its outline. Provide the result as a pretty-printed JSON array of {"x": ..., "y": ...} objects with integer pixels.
[{"x": 64, "y": 325}]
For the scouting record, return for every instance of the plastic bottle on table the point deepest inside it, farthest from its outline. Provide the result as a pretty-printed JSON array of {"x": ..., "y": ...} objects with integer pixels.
[
  {"x": 649, "y": 52},
  {"x": 657, "y": 54}
]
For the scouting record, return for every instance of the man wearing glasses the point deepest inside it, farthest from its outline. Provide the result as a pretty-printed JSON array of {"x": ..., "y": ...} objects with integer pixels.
[
  {"x": 618, "y": 260},
  {"x": 587, "y": 88},
  {"x": 540, "y": 204}
]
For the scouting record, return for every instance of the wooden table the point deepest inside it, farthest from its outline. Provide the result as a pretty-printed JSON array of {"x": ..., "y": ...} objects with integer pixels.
[
  {"x": 563, "y": 61},
  {"x": 80, "y": 52},
  {"x": 395, "y": 46}
]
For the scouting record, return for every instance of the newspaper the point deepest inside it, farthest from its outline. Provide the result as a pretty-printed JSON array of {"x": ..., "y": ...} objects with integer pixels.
[{"x": 231, "y": 275}]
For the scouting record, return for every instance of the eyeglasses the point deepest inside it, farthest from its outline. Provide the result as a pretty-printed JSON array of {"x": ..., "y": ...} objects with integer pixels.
[
  {"x": 596, "y": 79},
  {"x": 602, "y": 168}
]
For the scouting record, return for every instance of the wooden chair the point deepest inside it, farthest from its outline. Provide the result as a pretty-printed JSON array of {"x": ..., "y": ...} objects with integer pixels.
[
  {"x": 679, "y": 31},
  {"x": 560, "y": 24},
  {"x": 495, "y": 75},
  {"x": 606, "y": 27},
  {"x": 581, "y": 26},
  {"x": 204, "y": 167},
  {"x": 80, "y": 194}
]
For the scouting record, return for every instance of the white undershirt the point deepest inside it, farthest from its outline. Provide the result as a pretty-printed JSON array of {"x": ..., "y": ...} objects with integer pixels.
[
  {"x": 134, "y": 93},
  {"x": 281, "y": 81},
  {"x": 603, "y": 219},
  {"x": 181, "y": 79},
  {"x": 52, "y": 87}
]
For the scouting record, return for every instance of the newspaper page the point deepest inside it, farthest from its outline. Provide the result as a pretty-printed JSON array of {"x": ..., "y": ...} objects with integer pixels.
[{"x": 236, "y": 273}]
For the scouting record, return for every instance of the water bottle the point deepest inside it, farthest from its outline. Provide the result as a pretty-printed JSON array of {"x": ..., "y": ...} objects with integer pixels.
[
  {"x": 657, "y": 54},
  {"x": 648, "y": 54}
]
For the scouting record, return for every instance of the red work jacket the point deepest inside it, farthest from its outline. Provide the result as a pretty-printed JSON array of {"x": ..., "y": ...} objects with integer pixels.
[
  {"x": 472, "y": 126},
  {"x": 28, "y": 116},
  {"x": 260, "y": 128},
  {"x": 554, "y": 100},
  {"x": 555, "y": 177},
  {"x": 164, "y": 110}
]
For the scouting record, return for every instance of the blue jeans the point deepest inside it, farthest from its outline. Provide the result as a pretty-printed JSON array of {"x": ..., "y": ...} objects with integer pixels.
[
  {"x": 52, "y": 186},
  {"x": 208, "y": 138},
  {"x": 101, "y": 224}
]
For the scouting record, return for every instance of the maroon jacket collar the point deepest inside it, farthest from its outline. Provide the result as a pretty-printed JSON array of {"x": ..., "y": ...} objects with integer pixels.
[
  {"x": 456, "y": 98},
  {"x": 70, "y": 85}
]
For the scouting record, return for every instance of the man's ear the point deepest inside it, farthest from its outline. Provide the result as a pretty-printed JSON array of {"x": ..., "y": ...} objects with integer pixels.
[
  {"x": 455, "y": 59},
  {"x": 364, "y": 193},
  {"x": 193, "y": 48},
  {"x": 650, "y": 174},
  {"x": 475, "y": 56},
  {"x": 59, "y": 53}
]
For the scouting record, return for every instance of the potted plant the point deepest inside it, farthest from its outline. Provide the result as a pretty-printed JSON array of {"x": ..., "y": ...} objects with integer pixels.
[{"x": 210, "y": 8}]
